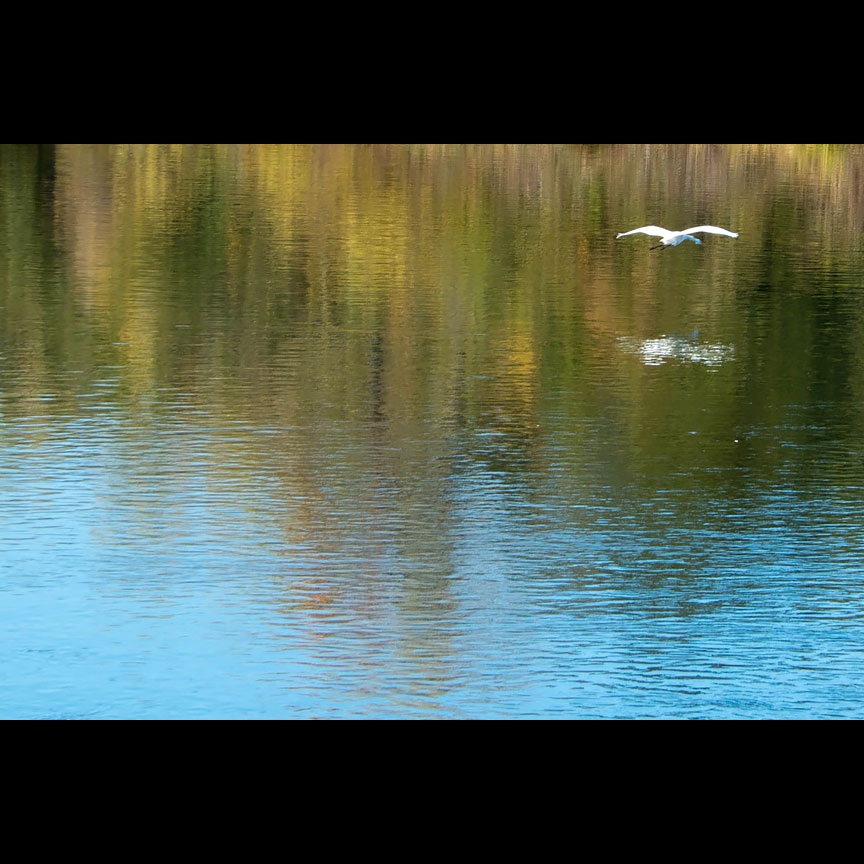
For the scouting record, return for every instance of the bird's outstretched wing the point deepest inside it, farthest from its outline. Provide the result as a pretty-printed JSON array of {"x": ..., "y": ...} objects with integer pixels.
[
  {"x": 650, "y": 230},
  {"x": 709, "y": 229}
]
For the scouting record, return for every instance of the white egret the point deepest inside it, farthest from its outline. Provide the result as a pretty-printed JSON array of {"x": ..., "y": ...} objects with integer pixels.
[{"x": 673, "y": 238}]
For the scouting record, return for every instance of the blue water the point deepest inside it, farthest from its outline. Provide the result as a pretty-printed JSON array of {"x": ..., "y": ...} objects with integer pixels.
[{"x": 177, "y": 595}]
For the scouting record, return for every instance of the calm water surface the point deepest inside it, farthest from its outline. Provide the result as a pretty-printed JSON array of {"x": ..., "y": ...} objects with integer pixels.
[{"x": 372, "y": 431}]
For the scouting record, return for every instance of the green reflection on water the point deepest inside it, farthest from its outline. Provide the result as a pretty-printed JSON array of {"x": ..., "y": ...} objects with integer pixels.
[{"x": 403, "y": 288}]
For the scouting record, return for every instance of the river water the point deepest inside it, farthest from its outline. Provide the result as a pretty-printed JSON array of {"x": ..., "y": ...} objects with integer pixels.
[{"x": 404, "y": 431}]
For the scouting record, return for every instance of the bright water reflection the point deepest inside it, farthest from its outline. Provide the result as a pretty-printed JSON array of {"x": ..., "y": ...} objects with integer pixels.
[{"x": 399, "y": 430}]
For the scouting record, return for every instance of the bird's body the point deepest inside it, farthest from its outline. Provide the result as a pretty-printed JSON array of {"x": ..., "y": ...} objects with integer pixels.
[{"x": 673, "y": 238}]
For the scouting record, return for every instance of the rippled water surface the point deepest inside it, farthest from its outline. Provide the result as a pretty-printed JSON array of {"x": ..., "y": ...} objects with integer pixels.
[{"x": 373, "y": 431}]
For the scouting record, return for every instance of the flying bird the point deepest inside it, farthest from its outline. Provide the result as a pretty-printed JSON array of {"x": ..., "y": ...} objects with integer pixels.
[{"x": 673, "y": 238}]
